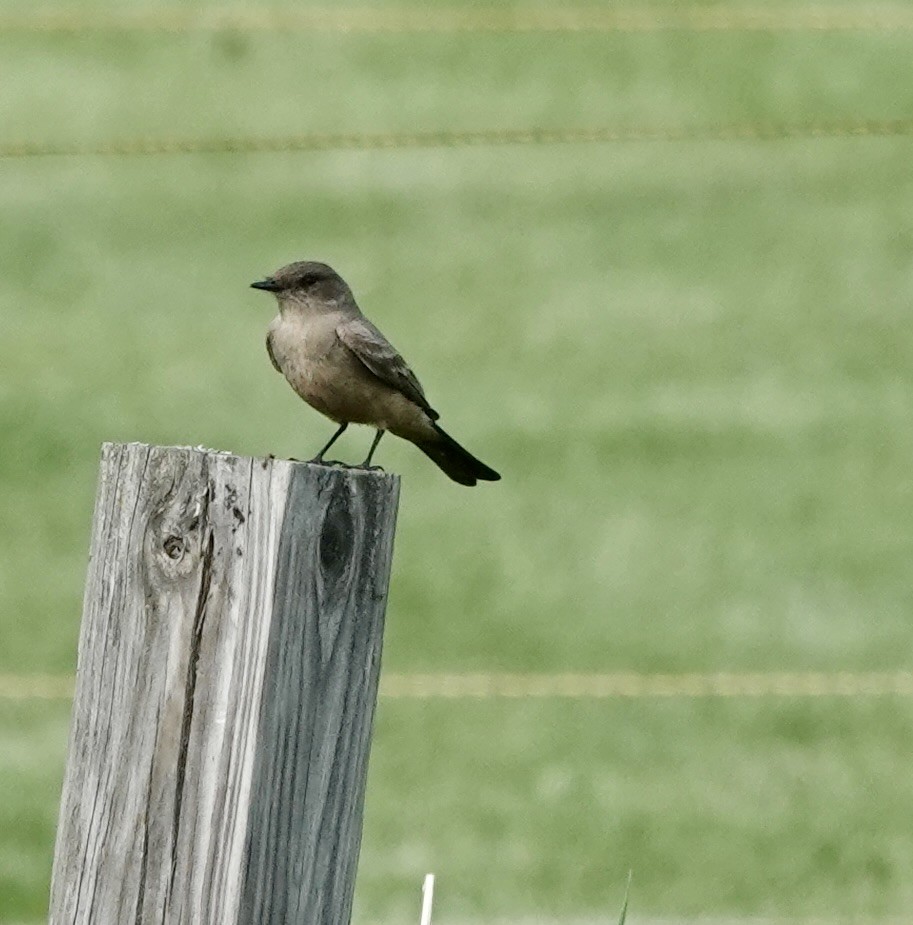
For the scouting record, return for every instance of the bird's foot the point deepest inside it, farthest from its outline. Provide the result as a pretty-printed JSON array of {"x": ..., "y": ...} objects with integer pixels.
[
  {"x": 317, "y": 461},
  {"x": 368, "y": 468}
]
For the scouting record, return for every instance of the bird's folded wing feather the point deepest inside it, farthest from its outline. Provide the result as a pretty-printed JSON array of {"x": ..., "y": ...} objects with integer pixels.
[{"x": 381, "y": 358}]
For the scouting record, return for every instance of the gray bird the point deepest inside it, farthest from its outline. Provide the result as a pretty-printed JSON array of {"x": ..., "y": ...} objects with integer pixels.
[{"x": 341, "y": 364}]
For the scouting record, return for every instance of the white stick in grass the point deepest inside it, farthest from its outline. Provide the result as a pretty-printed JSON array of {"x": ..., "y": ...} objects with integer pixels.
[{"x": 427, "y": 898}]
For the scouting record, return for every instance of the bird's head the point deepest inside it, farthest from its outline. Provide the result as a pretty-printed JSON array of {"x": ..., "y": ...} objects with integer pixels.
[{"x": 308, "y": 284}]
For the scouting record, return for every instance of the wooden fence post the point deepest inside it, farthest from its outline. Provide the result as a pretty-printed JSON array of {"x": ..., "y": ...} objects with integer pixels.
[{"x": 229, "y": 660}]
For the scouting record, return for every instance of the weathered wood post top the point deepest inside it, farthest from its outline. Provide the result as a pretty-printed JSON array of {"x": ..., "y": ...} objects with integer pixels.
[{"x": 228, "y": 667}]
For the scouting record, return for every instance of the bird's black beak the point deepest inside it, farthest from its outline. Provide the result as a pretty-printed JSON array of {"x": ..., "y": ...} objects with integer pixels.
[{"x": 268, "y": 285}]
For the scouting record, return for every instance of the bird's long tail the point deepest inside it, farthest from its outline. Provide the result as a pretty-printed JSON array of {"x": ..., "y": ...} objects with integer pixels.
[{"x": 456, "y": 462}]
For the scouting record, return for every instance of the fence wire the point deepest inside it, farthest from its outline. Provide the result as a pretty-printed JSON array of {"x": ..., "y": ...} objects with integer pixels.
[
  {"x": 365, "y": 141},
  {"x": 607, "y": 686},
  {"x": 693, "y": 18}
]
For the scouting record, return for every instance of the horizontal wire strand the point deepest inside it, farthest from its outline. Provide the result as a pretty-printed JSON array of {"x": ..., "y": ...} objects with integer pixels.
[
  {"x": 609, "y": 686},
  {"x": 813, "y": 18},
  {"x": 371, "y": 141},
  {"x": 632, "y": 685}
]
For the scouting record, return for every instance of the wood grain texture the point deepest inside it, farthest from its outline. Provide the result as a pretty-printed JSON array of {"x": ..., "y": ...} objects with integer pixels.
[{"x": 229, "y": 660}]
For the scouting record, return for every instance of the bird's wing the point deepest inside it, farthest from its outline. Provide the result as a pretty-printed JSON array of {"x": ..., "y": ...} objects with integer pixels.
[
  {"x": 381, "y": 358},
  {"x": 269, "y": 350}
]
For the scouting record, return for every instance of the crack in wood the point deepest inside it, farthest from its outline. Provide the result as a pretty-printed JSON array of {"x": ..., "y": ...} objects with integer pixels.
[
  {"x": 144, "y": 857},
  {"x": 206, "y": 565}
]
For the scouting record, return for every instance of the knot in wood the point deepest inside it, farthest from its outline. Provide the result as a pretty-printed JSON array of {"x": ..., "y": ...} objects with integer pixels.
[
  {"x": 337, "y": 534},
  {"x": 173, "y": 546}
]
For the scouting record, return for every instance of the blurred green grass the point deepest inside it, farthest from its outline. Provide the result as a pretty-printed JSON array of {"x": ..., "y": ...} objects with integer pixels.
[
  {"x": 691, "y": 361},
  {"x": 540, "y": 808}
]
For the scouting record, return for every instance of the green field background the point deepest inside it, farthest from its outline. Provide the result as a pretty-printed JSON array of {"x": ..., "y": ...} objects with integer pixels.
[{"x": 691, "y": 361}]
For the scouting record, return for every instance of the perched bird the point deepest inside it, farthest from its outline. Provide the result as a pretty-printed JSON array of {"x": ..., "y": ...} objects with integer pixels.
[{"x": 341, "y": 364}]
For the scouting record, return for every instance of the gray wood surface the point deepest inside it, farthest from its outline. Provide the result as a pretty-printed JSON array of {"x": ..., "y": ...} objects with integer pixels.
[{"x": 229, "y": 660}]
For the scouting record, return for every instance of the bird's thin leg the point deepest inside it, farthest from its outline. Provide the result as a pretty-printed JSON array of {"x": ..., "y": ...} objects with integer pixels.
[
  {"x": 367, "y": 463},
  {"x": 319, "y": 457}
]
